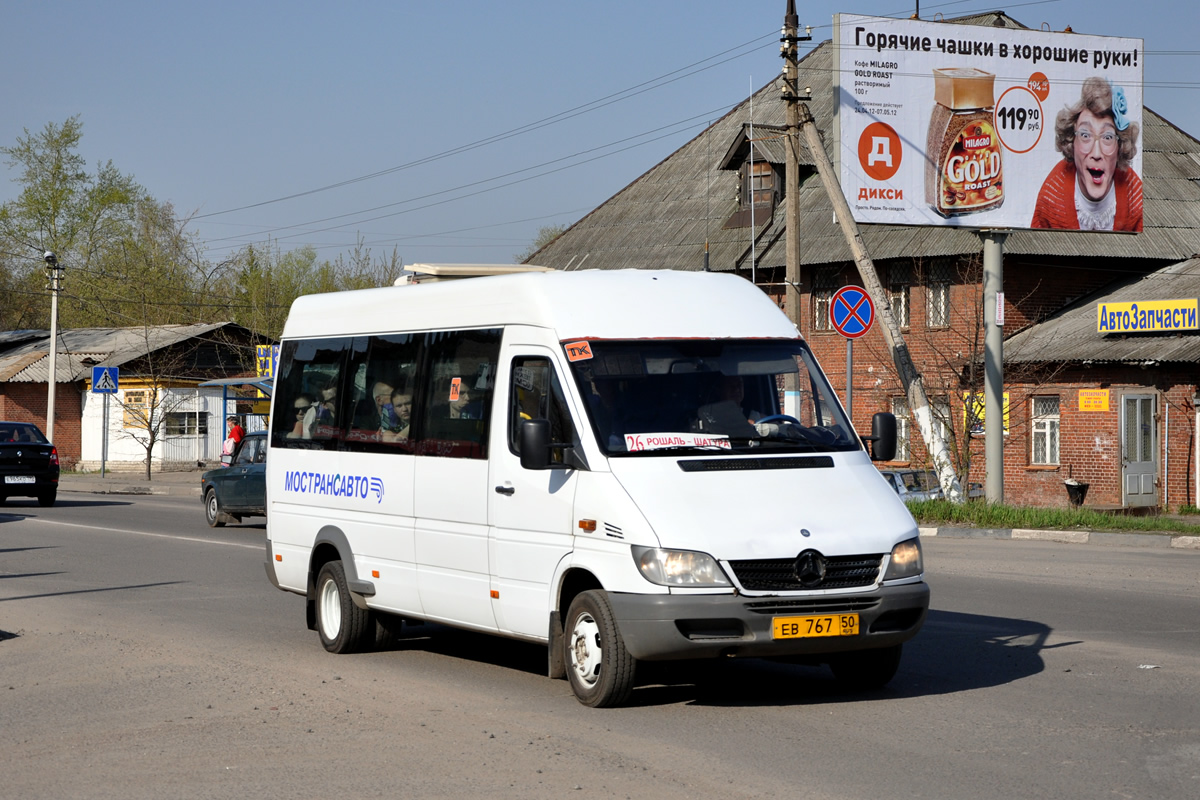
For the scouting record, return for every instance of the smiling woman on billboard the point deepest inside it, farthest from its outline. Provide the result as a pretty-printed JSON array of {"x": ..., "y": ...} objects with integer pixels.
[{"x": 1094, "y": 187}]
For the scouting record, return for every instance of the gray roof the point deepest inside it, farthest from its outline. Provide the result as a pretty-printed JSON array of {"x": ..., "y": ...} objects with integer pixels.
[
  {"x": 663, "y": 218},
  {"x": 1071, "y": 335},
  {"x": 24, "y": 355}
]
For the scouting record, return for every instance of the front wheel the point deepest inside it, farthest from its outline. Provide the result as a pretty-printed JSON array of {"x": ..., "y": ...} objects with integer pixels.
[
  {"x": 344, "y": 627},
  {"x": 600, "y": 669},
  {"x": 866, "y": 670},
  {"x": 212, "y": 511}
]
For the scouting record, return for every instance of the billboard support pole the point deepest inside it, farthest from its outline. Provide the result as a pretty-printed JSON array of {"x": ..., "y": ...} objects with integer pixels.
[
  {"x": 918, "y": 402},
  {"x": 993, "y": 363}
]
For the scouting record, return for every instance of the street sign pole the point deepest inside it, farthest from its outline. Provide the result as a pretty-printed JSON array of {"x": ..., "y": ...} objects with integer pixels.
[
  {"x": 851, "y": 313},
  {"x": 104, "y": 439},
  {"x": 850, "y": 379},
  {"x": 105, "y": 381}
]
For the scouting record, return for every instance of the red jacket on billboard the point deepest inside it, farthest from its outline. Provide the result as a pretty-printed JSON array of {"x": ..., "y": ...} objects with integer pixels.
[{"x": 1056, "y": 201}]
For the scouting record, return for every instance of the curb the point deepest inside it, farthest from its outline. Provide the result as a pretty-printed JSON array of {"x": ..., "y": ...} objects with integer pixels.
[
  {"x": 168, "y": 491},
  {"x": 1147, "y": 540}
]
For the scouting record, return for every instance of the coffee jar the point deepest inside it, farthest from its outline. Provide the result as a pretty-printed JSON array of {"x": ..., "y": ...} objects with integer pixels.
[{"x": 964, "y": 165}]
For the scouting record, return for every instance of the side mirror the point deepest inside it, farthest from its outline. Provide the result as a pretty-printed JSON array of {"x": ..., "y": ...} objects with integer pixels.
[
  {"x": 883, "y": 436},
  {"x": 535, "y": 444}
]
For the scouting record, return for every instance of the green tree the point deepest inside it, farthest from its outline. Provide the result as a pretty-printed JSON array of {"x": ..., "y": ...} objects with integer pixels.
[
  {"x": 546, "y": 235},
  {"x": 61, "y": 207}
]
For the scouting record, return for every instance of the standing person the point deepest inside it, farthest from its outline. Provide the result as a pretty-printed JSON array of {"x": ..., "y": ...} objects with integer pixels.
[
  {"x": 1094, "y": 187},
  {"x": 234, "y": 434}
]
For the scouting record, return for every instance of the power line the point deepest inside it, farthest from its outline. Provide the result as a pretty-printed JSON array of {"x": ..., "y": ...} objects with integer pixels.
[{"x": 594, "y": 105}]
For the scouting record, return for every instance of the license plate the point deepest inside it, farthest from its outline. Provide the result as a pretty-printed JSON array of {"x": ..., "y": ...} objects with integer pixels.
[
  {"x": 817, "y": 625},
  {"x": 18, "y": 479}
]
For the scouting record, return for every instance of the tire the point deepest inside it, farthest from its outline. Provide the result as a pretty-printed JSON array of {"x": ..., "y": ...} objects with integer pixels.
[
  {"x": 599, "y": 668},
  {"x": 212, "y": 510},
  {"x": 867, "y": 670},
  {"x": 47, "y": 498},
  {"x": 343, "y": 626}
]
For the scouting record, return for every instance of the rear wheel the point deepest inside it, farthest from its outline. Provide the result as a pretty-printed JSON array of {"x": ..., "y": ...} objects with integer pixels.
[
  {"x": 47, "y": 498},
  {"x": 865, "y": 670},
  {"x": 343, "y": 626},
  {"x": 600, "y": 669},
  {"x": 212, "y": 510}
]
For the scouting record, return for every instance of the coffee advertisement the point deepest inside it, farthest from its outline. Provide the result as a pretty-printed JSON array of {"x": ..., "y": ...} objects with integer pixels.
[{"x": 982, "y": 127}]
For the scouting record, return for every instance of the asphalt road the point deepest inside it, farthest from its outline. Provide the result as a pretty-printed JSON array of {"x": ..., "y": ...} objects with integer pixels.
[{"x": 145, "y": 655}]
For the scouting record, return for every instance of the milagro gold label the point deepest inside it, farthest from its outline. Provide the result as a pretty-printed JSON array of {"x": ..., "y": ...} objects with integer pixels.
[
  {"x": 964, "y": 166},
  {"x": 971, "y": 178}
]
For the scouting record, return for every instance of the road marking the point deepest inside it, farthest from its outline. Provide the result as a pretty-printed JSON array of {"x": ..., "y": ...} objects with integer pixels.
[{"x": 144, "y": 533}]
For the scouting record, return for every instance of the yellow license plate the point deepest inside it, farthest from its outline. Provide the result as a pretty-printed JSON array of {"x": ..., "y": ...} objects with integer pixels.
[{"x": 819, "y": 625}]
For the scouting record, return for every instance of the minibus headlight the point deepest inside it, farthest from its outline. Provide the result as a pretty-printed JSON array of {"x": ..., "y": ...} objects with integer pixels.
[
  {"x": 906, "y": 561},
  {"x": 678, "y": 567}
]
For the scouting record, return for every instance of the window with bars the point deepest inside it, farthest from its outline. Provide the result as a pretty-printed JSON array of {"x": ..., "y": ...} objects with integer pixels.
[
  {"x": 186, "y": 423},
  {"x": 941, "y": 417},
  {"x": 899, "y": 285},
  {"x": 903, "y": 428},
  {"x": 937, "y": 284},
  {"x": 1045, "y": 430},
  {"x": 825, "y": 284}
]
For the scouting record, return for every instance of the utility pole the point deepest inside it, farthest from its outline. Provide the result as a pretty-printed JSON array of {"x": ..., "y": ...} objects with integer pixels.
[
  {"x": 909, "y": 376},
  {"x": 54, "y": 273},
  {"x": 791, "y": 196}
]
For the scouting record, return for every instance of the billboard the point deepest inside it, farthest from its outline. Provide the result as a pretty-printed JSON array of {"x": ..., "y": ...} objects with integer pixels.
[{"x": 982, "y": 127}]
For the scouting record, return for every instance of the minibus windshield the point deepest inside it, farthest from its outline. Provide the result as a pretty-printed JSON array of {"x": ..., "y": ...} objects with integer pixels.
[{"x": 663, "y": 397}]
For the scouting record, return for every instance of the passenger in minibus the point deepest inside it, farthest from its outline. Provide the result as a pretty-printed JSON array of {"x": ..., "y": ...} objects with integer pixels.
[
  {"x": 369, "y": 414},
  {"x": 397, "y": 417},
  {"x": 301, "y": 406}
]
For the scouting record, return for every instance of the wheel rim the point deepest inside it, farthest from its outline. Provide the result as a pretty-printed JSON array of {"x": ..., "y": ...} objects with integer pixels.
[
  {"x": 585, "y": 651},
  {"x": 330, "y": 602},
  {"x": 212, "y": 506}
]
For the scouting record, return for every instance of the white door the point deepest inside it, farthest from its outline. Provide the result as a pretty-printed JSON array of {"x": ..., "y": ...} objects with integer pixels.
[{"x": 532, "y": 525}]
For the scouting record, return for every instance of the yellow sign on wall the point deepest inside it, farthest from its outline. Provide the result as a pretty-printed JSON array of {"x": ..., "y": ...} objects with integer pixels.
[
  {"x": 1093, "y": 399},
  {"x": 973, "y": 410}
]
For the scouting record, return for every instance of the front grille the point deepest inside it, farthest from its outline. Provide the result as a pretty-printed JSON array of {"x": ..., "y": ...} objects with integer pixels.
[
  {"x": 813, "y": 605},
  {"x": 778, "y": 574}
]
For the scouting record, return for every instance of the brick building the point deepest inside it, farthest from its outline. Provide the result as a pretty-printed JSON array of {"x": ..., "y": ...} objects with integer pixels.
[{"x": 717, "y": 203}]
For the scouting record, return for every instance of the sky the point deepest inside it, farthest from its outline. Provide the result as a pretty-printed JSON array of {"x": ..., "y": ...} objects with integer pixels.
[{"x": 450, "y": 132}]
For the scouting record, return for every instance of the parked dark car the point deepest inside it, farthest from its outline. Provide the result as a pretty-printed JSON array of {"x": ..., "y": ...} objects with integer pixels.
[
  {"x": 240, "y": 489},
  {"x": 28, "y": 463}
]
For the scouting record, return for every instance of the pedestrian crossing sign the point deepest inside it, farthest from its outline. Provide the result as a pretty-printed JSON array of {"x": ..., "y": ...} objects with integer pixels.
[{"x": 105, "y": 380}]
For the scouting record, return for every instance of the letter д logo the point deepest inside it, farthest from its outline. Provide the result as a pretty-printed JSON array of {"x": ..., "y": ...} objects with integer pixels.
[{"x": 879, "y": 151}]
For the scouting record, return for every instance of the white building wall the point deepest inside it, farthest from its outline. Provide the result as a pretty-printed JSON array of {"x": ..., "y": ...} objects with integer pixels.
[{"x": 170, "y": 451}]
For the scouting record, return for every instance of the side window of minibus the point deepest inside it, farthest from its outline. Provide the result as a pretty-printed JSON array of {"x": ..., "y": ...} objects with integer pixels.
[
  {"x": 382, "y": 375},
  {"x": 309, "y": 409},
  {"x": 537, "y": 394},
  {"x": 453, "y": 400}
]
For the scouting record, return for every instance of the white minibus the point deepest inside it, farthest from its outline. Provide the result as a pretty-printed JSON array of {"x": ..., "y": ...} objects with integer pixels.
[{"x": 598, "y": 461}]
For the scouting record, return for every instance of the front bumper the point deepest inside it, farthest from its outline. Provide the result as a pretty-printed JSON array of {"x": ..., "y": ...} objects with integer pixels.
[{"x": 669, "y": 627}]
